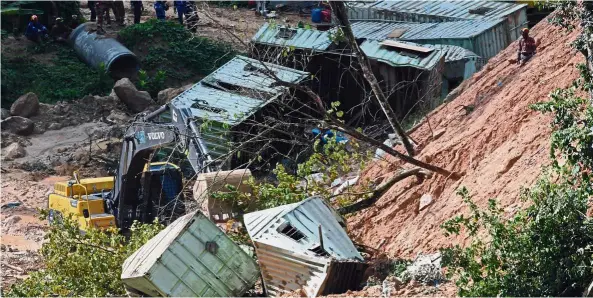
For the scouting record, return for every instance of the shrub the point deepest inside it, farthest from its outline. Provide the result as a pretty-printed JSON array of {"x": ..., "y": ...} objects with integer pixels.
[{"x": 83, "y": 265}]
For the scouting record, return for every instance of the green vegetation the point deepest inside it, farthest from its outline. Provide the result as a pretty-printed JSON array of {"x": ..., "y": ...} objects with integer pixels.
[
  {"x": 329, "y": 162},
  {"x": 65, "y": 78},
  {"x": 83, "y": 265},
  {"x": 170, "y": 47}
]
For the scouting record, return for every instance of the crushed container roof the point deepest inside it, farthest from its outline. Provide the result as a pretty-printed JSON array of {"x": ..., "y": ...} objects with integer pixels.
[
  {"x": 453, "y": 9},
  {"x": 381, "y": 30},
  {"x": 374, "y": 50},
  {"x": 266, "y": 226},
  {"x": 236, "y": 90},
  {"x": 299, "y": 38},
  {"x": 319, "y": 40}
]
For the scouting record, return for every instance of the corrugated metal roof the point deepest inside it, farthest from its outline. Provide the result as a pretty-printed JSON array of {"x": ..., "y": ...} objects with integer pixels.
[
  {"x": 288, "y": 263},
  {"x": 374, "y": 50},
  {"x": 453, "y": 53},
  {"x": 450, "y": 9},
  {"x": 305, "y": 216},
  {"x": 236, "y": 90},
  {"x": 302, "y": 38},
  {"x": 380, "y": 30}
]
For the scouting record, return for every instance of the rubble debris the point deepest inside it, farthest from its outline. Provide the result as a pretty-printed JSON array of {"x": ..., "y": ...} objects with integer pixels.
[
  {"x": 392, "y": 140},
  {"x": 25, "y": 106},
  {"x": 136, "y": 101},
  {"x": 303, "y": 246},
  {"x": 164, "y": 96},
  {"x": 11, "y": 205},
  {"x": 4, "y": 113},
  {"x": 425, "y": 200},
  {"x": 177, "y": 263},
  {"x": 13, "y": 151},
  {"x": 425, "y": 269},
  {"x": 208, "y": 183},
  {"x": 18, "y": 125},
  {"x": 118, "y": 117},
  {"x": 346, "y": 184}
]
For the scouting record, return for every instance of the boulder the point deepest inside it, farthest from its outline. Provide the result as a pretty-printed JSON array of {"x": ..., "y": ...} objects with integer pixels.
[
  {"x": 136, "y": 101},
  {"x": 26, "y": 106},
  {"x": 5, "y": 114},
  {"x": 166, "y": 95},
  {"x": 118, "y": 117},
  {"x": 13, "y": 151},
  {"x": 18, "y": 125}
]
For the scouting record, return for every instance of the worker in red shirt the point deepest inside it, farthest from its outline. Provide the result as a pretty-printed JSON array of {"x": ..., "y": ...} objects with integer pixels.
[{"x": 527, "y": 47}]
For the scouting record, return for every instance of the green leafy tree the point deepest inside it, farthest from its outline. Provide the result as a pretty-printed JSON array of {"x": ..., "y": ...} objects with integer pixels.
[{"x": 83, "y": 265}]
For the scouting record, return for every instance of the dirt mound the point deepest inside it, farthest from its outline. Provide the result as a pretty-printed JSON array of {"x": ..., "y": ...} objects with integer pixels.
[{"x": 498, "y": 144}]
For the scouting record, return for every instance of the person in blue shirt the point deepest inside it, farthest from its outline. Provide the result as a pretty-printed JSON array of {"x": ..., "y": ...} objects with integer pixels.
[
  {"x": 159, "y": 8},
  {"x": 179, "y": 7},
  {"x": 340, "y": 138},
  {"x": 35, "y": 31}
]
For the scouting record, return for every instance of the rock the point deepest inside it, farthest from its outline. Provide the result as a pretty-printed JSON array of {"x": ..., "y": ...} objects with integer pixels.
[
  {"x": 425, "y": 269},
  {"x": 166, "y": 95},
  {"x": 2, "y": 247},
  {"x": 136, "y": 101},
  {"x": 39, "y": 128},
  {"x": 118, "y": 117},
  {"x": 5, "y": 114},
  {"x": 18, "y": 125},
  {"x": 425, "y": 200},
  {"x": 54, "y": 126},
  {"x": 26, "y": 106},
  {"x": 13, "y": 151}
]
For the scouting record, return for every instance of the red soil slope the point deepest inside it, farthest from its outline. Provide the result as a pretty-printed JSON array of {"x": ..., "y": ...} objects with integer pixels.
[{"x": 499, "y": 148}]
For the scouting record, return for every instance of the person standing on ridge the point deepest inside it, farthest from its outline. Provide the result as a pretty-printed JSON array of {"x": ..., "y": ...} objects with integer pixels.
[
  {"x": 179, "y": 7},
  {"x": 160, "y": 7},
  {"x": 527, "y": 47},
  {"x": 102, "y": 12},
  {"x": 138, "y": 7}
]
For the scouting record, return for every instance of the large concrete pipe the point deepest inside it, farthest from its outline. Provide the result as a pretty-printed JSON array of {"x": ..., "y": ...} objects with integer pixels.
[{"x": 96, "y": 49}]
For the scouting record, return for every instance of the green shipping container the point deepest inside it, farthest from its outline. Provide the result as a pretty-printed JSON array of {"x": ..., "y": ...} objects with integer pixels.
[{"x": 191, "y": 257}]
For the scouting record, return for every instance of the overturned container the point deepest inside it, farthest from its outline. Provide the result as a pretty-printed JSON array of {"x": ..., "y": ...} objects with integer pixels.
[
  {"x": 208, "y": 184},
  {"x": 191, "y": 257},
  {"x": 304, "y": 247},
  {"x": 97, "y": 50}
]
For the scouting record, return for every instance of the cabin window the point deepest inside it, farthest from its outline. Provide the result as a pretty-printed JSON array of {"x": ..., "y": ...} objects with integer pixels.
[
  {"x": 289, "y": 230},
  {"x": 285, "y": 33},
  {"x": 319, "y": 251},
  {"x": 482, "y": 10}
]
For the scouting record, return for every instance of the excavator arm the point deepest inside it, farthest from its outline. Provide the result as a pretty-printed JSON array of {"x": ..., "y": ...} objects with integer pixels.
[{"x": 140, "y": 140}]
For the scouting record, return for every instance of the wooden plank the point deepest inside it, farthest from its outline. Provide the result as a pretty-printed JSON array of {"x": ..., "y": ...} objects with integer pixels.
[
  {"x": 405, "y": 46},
  {"x": 396, "y": 33}
]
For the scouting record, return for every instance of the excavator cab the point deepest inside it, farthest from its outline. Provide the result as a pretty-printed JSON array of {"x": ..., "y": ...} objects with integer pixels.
[{"x": 88, "y": 201}]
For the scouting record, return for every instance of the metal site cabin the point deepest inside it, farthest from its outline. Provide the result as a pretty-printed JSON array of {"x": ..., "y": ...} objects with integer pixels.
[
  {"x": 336, "y": 80},
  {"x": 225, "y": 105}
]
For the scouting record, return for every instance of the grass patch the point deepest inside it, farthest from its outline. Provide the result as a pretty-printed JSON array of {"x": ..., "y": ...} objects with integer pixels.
[
  {"x": 64, "y": 78},
  {"x": 170, "y": 47}
]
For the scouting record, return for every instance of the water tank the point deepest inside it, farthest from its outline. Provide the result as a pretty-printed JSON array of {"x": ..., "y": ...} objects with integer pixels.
[
  {"x": 316, "y": 15},
  {"x": 96, "y": 49}
]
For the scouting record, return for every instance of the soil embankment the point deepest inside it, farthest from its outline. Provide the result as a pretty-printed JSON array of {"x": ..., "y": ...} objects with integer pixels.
[{"x": 497, "y": 143}]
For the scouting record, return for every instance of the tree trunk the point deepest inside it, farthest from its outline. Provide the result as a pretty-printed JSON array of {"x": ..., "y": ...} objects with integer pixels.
[
  {"x": 380, "y": 191},
  {"x": 341, "y": 14}
]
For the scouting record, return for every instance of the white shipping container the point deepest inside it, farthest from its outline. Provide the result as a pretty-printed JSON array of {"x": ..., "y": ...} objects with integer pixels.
[{"x": 191, "y": 257}]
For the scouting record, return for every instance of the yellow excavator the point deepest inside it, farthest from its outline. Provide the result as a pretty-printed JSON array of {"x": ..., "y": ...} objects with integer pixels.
[
  {"x": 141, "y": 190},
  {"x": 84, "y": 199}
]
